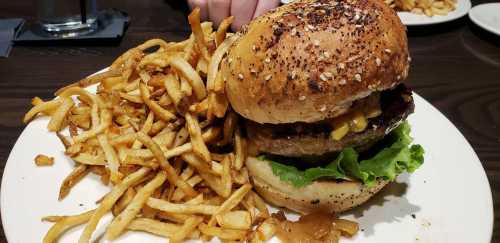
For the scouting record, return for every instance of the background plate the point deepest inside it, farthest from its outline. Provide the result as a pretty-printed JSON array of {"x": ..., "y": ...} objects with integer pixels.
[
  {"x": 447, "y": 200},
  {"x": 487, "y": 16}
]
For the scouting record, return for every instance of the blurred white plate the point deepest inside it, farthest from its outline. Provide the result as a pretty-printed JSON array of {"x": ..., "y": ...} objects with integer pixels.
[
  {"x": 411, "y": 19},
  {"x": 447, "y": 200},
  {"x": 487, "y": 16}
]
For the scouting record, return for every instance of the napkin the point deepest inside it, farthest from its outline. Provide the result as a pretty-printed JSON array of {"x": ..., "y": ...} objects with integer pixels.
[{"x": 8, "y": 30}]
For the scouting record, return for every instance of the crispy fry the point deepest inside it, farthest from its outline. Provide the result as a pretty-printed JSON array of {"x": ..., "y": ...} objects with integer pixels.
[
  {"x": 123, "y": 219},
  {"x": 160, "y": 157},
  {"x": 225, "y": 234},
  {"x": 194, "y": 21},
  {"x": 109, "y": 200},
  {"x": 70, "y": 181},
  {"x": 234, "y": 220},
  {"x": 111, "y": 158},
  {"x": 65, "y": 223},
  {"x": 191, "y": 75},
  {"x": 43, "y": 107},
  {"x": 181, "y": 208},
  {"x": 157, "y": 109},
  {"x": 231, "y": 202},
  {"x": 156, "y": 227},
  {"x": 199, "y": 147},
  {"x": 55, "y": 123},
  {"x": 123, "y": 201},
  {"x": 44, "y": 160},
  {"x": 221, "y": 31}
]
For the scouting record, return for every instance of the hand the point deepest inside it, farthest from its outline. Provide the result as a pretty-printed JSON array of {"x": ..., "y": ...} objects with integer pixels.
[{"x": 242, "y": 10}]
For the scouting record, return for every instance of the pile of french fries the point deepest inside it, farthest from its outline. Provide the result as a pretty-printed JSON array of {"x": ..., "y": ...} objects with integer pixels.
[
  {"x": 427, "y": 7},
  {"x": 160, "y": 133}
]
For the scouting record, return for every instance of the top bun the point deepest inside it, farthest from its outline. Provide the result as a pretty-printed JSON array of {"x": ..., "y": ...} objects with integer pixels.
[{"x": 309, "y": 60}]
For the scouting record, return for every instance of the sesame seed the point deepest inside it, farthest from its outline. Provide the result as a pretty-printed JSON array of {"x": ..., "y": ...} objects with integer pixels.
[
  {"x": 240, "y": 76},
  {"x": 409, "y": 59},
  {"x": 359, "y": 26},
  {"x": 326, "y": 54},
  {"x": 316, "y": 42},
  {"x": 357, "y": 76},
  {"x": 253, "y": 70},
  {"x": 398, "y": 77},
  {"x": 254, "y": 48},
  {"x": 310, "y": 27},
  {"x": 356, "y": 17},
  {"x": 378, "y": 61},
  {"x": 267, "y": 60},
  {"x": 302, "y": 97},
  {"x": 323, "y": 77},
  {"x": 293, "y": 74},
  {"x": 388, "y": 50},
  {"x": 341, "y": 65},
  {"x": 229, "y": 60},
  {"x": 342, "y": 82},
  {"x": 323, "y": 108},
  {"x": 293, "y": 31},
  {"x": 268, "y": 77}
]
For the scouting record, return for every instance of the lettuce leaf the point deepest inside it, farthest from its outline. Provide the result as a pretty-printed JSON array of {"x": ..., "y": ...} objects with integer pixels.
[{"x": 388, "y": 163}]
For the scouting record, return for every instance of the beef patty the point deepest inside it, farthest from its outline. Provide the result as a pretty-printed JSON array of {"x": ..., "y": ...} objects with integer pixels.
[{"x": 312, "y": 139}]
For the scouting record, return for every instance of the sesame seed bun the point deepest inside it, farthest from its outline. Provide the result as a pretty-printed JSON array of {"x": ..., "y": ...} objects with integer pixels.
[
  {"x": 309, "y": 60},
  {"x": 324, "y": 195}
]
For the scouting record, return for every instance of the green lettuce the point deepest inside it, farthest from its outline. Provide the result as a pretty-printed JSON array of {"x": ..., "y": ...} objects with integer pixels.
[{"x": 389, "y": 162}]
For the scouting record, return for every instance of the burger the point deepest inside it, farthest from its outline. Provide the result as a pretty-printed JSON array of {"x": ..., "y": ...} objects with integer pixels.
[{"x": 319, "y": 83}]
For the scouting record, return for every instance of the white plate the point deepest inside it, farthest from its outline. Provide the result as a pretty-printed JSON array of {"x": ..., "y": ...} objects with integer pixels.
[
  {"x": 487, "y": 16},
  {"x": 447, "y": 200},
  {"x": 411, "y": 19}
]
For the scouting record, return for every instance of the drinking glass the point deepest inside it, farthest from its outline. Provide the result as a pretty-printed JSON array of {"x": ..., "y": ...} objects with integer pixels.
[{"x": 67, "y": 17}]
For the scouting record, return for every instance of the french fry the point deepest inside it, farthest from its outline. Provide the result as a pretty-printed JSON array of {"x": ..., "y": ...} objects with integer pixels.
[
  {"x": 72, "y": 179},
  {"x": 231, "y": 202},
  {"x": 189, "y": 226},
  {"x": 159, "y": 228},
  {"x": 124, "y": 200},
  {"x": 157, "y": 109},
  {"x": 226, "y": 175},
  {"x": 65, "y": 223},
  {"x": 221, "y": 31},
  {"x": 124, "y": 218},
  {"x": 89, "y": 159},
  {"x": 109, "y": 200},
  {"x": 44, "y": 160},
  {"x": 42, "y": 107},
  {"x": 230, "y": 124},
  {"x": 169, "y": 207},
  {"x": 56, "y": 121},
  {"x": 199, "y": 147},
  {"x": 173, "y": 88},
  {"x": 240, "y": 150},
  {"x": 111, "y": 158},
  {"x": 234, "y": 220},
  {"x": 194, "y": 21},
  {"x": 225, "y": 234},
  {"x": 191, "y": 76},
  {"x": 160, "y": 157}
]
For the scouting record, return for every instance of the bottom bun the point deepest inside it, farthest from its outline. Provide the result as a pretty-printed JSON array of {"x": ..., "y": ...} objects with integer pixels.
[{"x": 321, "y": 195}]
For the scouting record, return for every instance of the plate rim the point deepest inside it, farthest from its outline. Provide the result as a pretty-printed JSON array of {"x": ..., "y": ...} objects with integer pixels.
[{"x": 472, "y": 16}]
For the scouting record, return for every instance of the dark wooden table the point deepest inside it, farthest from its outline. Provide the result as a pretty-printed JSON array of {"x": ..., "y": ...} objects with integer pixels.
[{"x": 455, "y": 66}]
